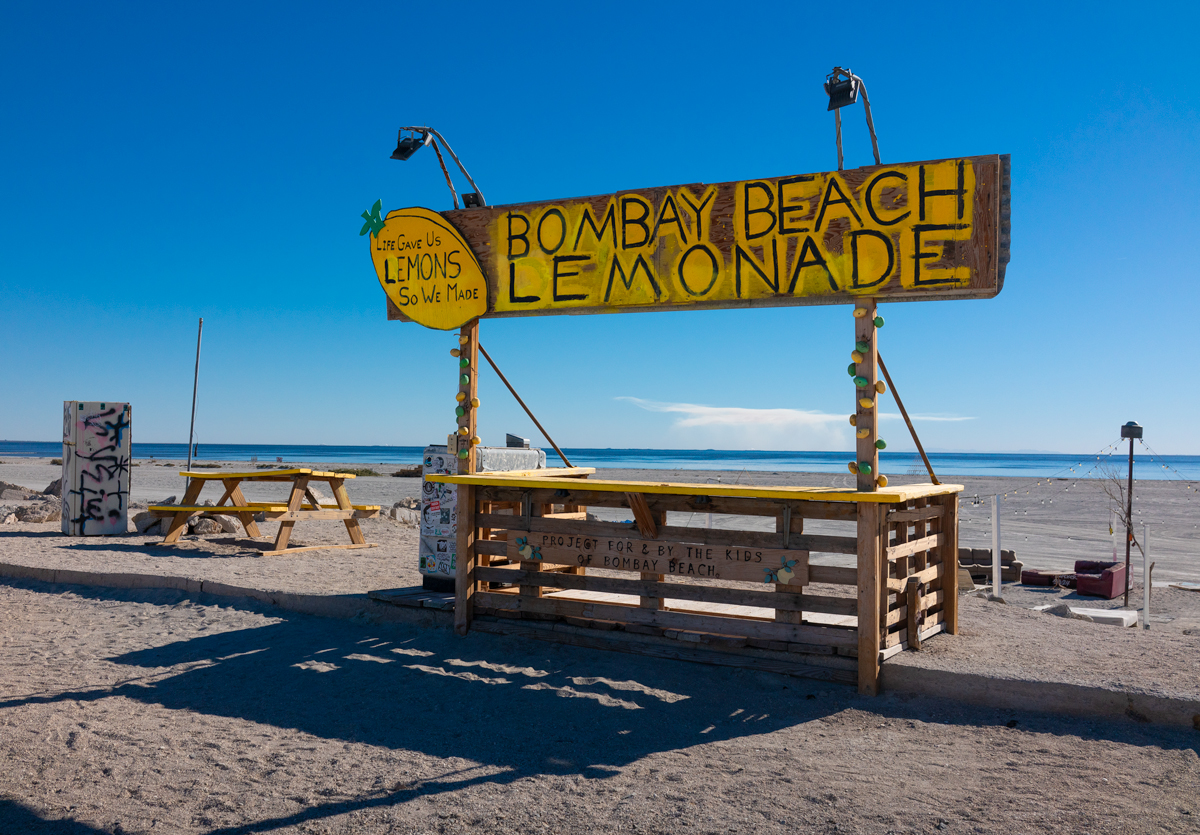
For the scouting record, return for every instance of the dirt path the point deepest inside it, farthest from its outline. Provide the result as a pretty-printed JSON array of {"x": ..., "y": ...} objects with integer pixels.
[{"x": 141, "y": 712}]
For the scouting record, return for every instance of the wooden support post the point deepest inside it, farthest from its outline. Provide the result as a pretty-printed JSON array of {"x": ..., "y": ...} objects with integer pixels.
[
  {"x": 914, "y": 620},
  {"x": 787, "y": 526},
  {"x": 867, "y": 417},
  {"x": 294, "y": 502},
  {"x": 338, "y": 486},
  {"x": 870, "y": 551},
  {"x": 464, "y": 573},
  {"x": 642, "y": 515},
  {"x": 949, "y": 523},
  {"x": 234, "y": 488}
]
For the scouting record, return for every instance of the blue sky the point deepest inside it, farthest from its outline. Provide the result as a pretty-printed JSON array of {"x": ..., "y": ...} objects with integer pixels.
[{"x": 165, "y": 162}]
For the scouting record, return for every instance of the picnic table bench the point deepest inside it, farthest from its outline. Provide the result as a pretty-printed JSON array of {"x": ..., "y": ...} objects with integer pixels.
[{"x": 301, "y": 504}]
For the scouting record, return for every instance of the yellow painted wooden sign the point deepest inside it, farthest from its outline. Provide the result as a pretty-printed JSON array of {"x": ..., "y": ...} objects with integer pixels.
[
  {"x": 922, "y": 230},
  {"x": 427, "y": 270}
]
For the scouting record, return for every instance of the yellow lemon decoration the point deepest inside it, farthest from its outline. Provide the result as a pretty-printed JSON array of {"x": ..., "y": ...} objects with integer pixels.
[
  {"x": 862, "y": 433},
  {"x": 853, "y": 467},
  {"x": 427, "y": 270},
  {"x": 866, "y": 402},
  {"x": 860, "y": 312},
  {"x": 854, "y": 420},
  {"x": 880, "y": 387},
  {"x": 881, "y": 481}
]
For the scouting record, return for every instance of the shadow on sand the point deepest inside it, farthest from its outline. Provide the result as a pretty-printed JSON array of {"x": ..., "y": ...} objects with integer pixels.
[{"x": 515, "y": 707}]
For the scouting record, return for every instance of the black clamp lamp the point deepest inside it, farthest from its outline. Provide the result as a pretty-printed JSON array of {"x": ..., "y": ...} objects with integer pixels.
[
  {"x": 418, "y": 137},
  {"x": 843, "y": 86}
]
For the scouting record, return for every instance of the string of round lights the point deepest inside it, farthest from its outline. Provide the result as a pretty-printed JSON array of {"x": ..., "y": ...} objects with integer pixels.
[{"x": 1100, "y": 457}]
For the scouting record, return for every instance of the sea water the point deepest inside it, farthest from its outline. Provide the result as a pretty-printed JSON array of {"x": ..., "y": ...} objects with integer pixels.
[{"x": 1017, "y": 464}]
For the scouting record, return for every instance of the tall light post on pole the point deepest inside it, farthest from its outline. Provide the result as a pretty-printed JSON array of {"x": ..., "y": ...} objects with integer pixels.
[{"x": 1130, "y": 430}]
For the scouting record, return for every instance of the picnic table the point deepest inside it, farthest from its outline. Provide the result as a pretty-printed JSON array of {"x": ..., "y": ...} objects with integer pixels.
[{"x": 300, "y": 505}]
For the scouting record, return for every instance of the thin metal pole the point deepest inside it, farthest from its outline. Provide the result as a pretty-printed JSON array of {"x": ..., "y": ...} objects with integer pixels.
[
  {"x": 195, "y": 383},
  {"x": 870, "y": 123},
  {"x": 904, "y": 414},
  {"x": 997, "y": 579},
  {"x": 536, "y": 422},
  {"x": 1128, "y": 522},
  {"x": 837, "y": 121},
  {"x": 1145, "y": 578}
]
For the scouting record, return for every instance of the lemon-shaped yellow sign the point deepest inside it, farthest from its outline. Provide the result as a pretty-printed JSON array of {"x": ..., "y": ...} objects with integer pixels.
[{"x": 428, "y": 270}]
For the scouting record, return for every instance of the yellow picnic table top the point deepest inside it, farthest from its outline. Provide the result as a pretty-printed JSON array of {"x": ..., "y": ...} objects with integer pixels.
[
  {"x": 886, "y": 495},
  {"x": 268, "y": 474}
]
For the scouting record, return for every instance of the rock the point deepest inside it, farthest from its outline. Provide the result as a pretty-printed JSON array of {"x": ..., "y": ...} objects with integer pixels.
[
  {"x": 229, "y": 524},
  {"x": 205, "y": 526},
  {"x": 1062, "y": 610},
  {"x": 409, "y": 501},
  {"x": 15, "y": 492},
  {"x": 43, "y": 512},
  {"x": 406, "y": 515},
  {"x": 7, "y": 517},
  {"x": 55, "y": 488},
  {"x": 167, "y": 500},
  {"x": 144, "y": 521}
]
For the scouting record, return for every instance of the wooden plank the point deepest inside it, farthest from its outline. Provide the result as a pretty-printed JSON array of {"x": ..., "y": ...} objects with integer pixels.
[
  {"x": 269, "y": 475},
  {"x": 700, "y": 536},
  {"x": 806, "y": 633},
  {"x": 678, "y": 559},
  {"x": 832, "y": 574},
  {"x": 916, "y": 515},
  {"x": 905, "y": 549},
  {"x": 203, "y": 476},
  {"x": 869, "y": 553},
  {"x": 892, "y": 494},
  {"x": 492, "y": 547},
  {"x": 836, "y": 511},
  {"x": 217, "y": 510},
  {"x": 791, "y": 600},
  {"x": 927, "y": 576},
  {"x": 949, "y": 560},
  {"x": 297, "y": 549},
  {"x": 549, "y": 472},
  {"x": 301, "y": 515}
]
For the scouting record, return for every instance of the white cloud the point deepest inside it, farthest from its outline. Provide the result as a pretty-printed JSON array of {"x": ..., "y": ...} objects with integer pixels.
[
  {"x": 738, "y": 427},
  {"x": 928, "y": 418}
]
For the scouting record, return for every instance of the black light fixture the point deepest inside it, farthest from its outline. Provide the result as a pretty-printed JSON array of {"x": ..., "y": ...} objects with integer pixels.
[
  {"x": 406, "y": 146},
  {"x": 843, "y": 86},
  {"x": 841, "y": 91}
]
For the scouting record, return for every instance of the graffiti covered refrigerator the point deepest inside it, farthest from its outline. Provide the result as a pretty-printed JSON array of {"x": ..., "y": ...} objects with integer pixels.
[
  {"x": 95, "y": 468},
  {"x": 437, "y": 554}
]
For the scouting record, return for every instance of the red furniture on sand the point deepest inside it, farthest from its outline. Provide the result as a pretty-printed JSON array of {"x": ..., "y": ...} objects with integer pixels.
[{"x": 1100, "y": 579}]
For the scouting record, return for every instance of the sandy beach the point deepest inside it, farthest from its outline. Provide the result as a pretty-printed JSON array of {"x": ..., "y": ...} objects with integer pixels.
[
  {"x": 143, "y": 710},
  {"x": 1048, "y": 526}
]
